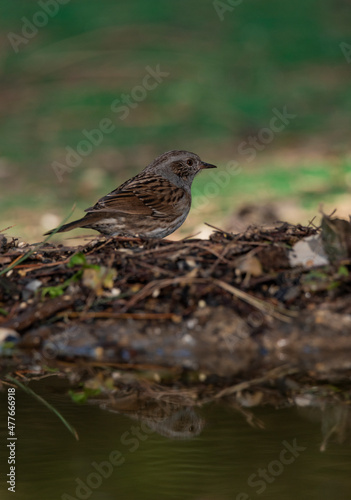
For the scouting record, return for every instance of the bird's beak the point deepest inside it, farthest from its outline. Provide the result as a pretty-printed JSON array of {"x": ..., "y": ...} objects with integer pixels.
[{"x": 207, "y": 165}]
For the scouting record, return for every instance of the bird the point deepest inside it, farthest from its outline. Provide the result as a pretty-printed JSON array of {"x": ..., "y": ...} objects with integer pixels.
[{"x": 153, "y": 204}]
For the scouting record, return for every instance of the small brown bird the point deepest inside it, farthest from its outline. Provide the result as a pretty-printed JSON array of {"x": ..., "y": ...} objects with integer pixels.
[{"x": 153, "y": 204}]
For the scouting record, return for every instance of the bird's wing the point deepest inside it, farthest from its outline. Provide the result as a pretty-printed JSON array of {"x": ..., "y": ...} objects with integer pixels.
[{"x": 144, "y": 195}]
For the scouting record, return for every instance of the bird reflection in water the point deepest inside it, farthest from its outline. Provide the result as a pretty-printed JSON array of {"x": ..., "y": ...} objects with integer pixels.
[{"x": 173, "y": 419}]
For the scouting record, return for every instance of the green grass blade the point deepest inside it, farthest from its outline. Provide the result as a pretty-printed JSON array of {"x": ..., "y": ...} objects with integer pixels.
[{"x": 48, "y": 405}]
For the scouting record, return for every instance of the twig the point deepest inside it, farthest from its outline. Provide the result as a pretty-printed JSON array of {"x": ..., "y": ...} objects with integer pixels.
[
  {"x": 155, "y": 268},
  {"x": 279, "y": 313},
  {"x": 37, "y": 245},
  {"x": 6, "y": 229},
  {"x": 27, "y": 268},
  {"x": 99, "y": 248},
  {"x": 38, "y": 312},
  {"x": 217, "y": 228},
  {"x": 278, "y": 372},
  {"x": 115, "y": 315}
]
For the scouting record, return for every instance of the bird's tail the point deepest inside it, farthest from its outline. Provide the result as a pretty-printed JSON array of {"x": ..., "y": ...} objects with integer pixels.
[{"x": 67, "y": 227}]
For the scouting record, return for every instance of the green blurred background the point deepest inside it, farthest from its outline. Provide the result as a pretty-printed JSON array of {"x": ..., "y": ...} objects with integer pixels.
[{"x": 229, "y": 68}]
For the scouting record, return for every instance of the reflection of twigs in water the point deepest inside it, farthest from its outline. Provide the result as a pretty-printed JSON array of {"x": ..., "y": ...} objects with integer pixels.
[
  {"x": 323, "y": 445},
  {"x": 338, "y": 414},
  {"x": 250, "y": 418},
  {"x": 280, "y": 371}
]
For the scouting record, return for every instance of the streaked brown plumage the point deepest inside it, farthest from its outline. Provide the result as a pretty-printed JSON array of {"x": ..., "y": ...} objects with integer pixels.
[{"x": 153, "y": 204}]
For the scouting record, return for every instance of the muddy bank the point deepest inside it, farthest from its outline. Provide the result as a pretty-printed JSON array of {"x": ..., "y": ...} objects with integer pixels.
[{"x": 235, "y": 304}]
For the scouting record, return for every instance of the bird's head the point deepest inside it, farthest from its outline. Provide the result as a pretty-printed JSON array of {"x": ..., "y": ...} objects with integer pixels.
[{"x": 180, "y": 167}]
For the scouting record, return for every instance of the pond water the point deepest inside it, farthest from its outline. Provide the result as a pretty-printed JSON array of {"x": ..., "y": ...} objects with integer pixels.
[{"x": 207, "y": 453}]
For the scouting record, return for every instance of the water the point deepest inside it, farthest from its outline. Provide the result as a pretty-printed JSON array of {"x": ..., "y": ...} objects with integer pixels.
[{"x": 208, "y": 453}]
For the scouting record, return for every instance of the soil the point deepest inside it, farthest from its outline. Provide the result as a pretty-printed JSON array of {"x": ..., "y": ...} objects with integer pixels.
[{"x": 227, "y": 306}]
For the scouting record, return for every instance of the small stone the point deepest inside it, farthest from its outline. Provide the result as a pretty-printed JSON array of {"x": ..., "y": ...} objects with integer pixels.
[
  {"x": 7, "y": 335},
  {"x": 33, "y": 285},
  {"x": 188, "y": 339}
]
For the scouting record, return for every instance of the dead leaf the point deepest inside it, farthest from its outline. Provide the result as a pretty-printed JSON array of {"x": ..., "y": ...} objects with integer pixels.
[
  {"x": 336, "y": 237},
  {"x": 308, "y": 252},
  {"x": 99, "y": 278}
]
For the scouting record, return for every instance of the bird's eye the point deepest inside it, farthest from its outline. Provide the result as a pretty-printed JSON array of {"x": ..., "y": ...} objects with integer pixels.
[{"x": 190, "y": 162}]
